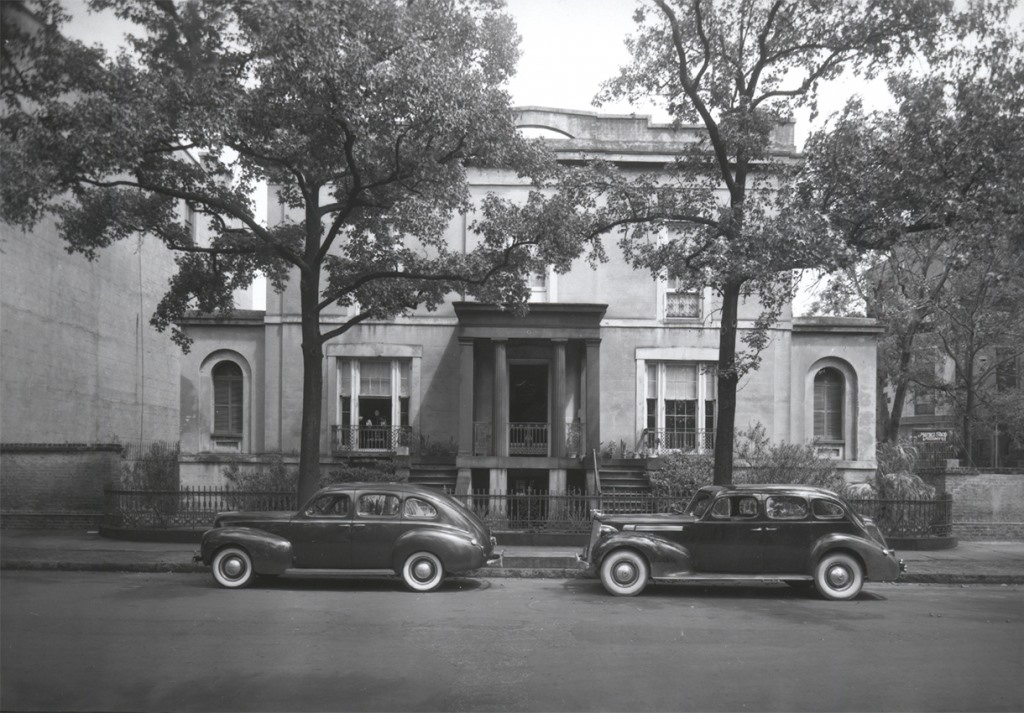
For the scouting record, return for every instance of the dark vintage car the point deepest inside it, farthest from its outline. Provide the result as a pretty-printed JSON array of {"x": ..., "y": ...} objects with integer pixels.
[
  {"x": 367, "y": 528},
  {"x": 790, "y": 533}
]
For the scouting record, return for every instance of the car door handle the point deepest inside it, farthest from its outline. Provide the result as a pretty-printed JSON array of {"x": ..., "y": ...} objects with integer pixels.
[{"x": 771, "y": 529}]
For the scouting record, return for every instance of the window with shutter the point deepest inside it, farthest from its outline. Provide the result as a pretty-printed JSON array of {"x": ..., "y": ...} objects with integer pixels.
[
  {"x": 227, "y": 399},
  {"x": 828, "y": 406}
]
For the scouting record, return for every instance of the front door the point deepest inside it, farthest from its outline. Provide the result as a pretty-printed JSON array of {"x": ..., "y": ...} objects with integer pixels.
[{"x": 528, "y": 410}]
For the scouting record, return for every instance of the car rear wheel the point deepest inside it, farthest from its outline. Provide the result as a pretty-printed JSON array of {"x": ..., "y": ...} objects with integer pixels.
[
  {"x": 423, "y": 572},
  {"x": 232, "y": 568},
  {"x": 624, "y": 573},
  {"x": 838, "y": 576}
]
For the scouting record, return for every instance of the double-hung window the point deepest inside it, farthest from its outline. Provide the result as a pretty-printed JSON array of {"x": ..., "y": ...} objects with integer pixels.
[
  {"x": 373, "y": 403},
  {"x": 680, "y": 407}
]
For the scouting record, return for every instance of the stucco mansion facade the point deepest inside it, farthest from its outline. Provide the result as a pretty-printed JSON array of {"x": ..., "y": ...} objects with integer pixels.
[{"x": 474, "y": 398}]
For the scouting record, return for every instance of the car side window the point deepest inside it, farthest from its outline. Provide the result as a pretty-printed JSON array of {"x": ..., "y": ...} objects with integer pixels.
[
  {"x": 378, "y": 505},
  {"x": 329, "y": 506},
  {"x": 786, "y": 507},
  {"x": 418, "y": 509},
  {"x": 737, "y": 507},
  {"x": 721, "y": 509},
  {"x": 827, "y": 510}
]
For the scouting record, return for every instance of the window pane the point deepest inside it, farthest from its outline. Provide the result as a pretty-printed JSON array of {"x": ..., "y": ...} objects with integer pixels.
[
  {"x": 828, "y": 405},
  {"x": 827, "y": 510},
  {"x": 652, "y": 380},
  {"x": 682, "y": 304},
  {"x": 786, "y": 507},
  {"x": 378, "y": 505},
  {"x": 346, "y": 377},
  {"x": 227, "y": 398},
  {"x": 416, "y": 508},
  {"x": 403, "y": 378},
  {"x": 375, "y": 378},
  {"x": 680, "y": 381}
]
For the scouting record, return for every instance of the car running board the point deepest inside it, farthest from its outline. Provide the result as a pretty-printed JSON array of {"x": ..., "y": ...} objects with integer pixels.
[{"x": 775, "y": 578}]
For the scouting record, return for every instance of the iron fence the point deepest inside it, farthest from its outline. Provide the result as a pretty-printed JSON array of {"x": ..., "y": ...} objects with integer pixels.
[
  {"x": 185, "y": 507},
  {"x": 531, "y": 511},
  {"x": 910, "y": 518}
]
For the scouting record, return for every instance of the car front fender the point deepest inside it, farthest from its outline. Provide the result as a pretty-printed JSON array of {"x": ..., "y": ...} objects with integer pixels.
[
  {"x": 271, "y": 554},
  {"x": 455, "y": 549},
  {"x": 880, "y": 564},
  {"x": 667, "y": 559}
]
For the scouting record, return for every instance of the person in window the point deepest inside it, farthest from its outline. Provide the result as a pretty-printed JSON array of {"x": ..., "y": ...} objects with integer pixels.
[{"x": 380, "y": 420}]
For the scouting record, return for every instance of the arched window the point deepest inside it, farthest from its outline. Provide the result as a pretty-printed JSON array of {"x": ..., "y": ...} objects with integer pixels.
[
  {"x": 829, "y": 387},
  {"x": 227, "y": 399}
]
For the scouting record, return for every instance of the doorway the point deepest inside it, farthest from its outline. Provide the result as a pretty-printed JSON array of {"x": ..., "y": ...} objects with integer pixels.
[{"x": 528, "y": 409}]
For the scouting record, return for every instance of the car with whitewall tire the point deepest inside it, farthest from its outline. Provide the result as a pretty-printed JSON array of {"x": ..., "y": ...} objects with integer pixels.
[
  {"x": 397, "y": 529},
  {"x": 797, "y": 534}
]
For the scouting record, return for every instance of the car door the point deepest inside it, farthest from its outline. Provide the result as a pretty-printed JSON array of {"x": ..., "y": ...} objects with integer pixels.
[
  {"x": 321, "y": 535},
  {"x": 727, "y": 539},
  {"x": 375, "y": 527},
  {"x": 789, "y": 533}
]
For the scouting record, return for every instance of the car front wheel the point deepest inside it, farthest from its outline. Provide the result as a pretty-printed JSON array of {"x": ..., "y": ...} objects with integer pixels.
[
  {"x": 838, "y": 576},
  {"x": 232, "y": 568},
  {"x": 423, "y": 572},
  {"x": 624, "y": 573}
]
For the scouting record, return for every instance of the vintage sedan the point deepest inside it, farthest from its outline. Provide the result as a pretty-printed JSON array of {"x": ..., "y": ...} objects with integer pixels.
[
  {"x": 791, "y": 533},
  {"x": 366, "y": 528}
]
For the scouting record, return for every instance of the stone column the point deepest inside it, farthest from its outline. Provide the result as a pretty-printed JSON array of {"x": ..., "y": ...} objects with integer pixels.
[
  {"x": 593, "y": 387},
  {"x": 558, "y": 403},
  {"x": 465, "y": 397},
  {"x": 500, "y": 435}
]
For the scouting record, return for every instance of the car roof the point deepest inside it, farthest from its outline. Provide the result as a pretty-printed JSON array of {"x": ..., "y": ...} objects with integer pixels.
[
  {"x": 772, "y": 488},
  {"x": 389, "y": 487}
]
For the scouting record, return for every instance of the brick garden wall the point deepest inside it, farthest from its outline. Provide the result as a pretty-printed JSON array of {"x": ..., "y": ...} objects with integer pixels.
[
  {"x": 987, "y": 506},
  {"x": 55, "y": 486}
]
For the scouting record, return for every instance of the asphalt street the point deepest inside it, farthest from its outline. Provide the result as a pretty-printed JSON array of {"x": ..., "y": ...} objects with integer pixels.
[{"x": 86, "y": 641}]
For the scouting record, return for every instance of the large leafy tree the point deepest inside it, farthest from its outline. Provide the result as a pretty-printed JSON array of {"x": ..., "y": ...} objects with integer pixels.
[
  {"x": 934, "y": 189},
  {"x": 363, "y": 114},
  {"x": 727, "y": 215}
]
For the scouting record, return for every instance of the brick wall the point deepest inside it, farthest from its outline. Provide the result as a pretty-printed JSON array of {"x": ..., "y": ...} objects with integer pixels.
[
  {"x": 987, "y": 506},
  {"x": 55, "y": 486}
]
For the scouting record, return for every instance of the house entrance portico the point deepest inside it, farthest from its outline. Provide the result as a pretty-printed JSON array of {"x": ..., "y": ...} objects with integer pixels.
[{"x": 529, "y": 396}]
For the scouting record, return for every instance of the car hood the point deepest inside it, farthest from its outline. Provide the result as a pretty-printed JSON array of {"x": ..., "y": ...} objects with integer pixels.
[
  {"x": 250, "y": 519},
  {"x": 646, "y": 519}
]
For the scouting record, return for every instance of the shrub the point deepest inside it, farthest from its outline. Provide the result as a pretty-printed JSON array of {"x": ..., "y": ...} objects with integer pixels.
[
  {"x": 678, "y": 477},
  {"x": 156, "y": 469},
  {"x": 374, "y": 471},
  {"x": 769, "y": 462},
  {"x": 275, "y": 477}
]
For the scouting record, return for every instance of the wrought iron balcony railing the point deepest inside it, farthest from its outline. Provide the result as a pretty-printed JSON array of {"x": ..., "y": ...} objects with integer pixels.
[
  {"x": 526, "y": 439},
  {"x": 661, "y": 440},
  {"x": 370, "y": 438}
]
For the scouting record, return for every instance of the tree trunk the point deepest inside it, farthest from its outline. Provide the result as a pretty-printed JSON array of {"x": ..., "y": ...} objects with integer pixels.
[
  {"x": 312, "y": 354},
  {"x": 312, "y": 392},
  {"x": 728, "y": 379}
]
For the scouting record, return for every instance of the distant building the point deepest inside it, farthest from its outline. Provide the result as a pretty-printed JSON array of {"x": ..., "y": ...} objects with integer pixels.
[{"x": 608, "y": 361}]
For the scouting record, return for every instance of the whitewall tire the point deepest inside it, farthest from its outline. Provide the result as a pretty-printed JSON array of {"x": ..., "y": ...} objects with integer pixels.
[
  {"x": 232, "y": 568},
  {"x": 422, "y": 572},
  {"x": 624, "y": 573}
]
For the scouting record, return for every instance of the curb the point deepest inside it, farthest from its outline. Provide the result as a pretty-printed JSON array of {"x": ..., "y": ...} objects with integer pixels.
[{"x": 517, "y": 572}]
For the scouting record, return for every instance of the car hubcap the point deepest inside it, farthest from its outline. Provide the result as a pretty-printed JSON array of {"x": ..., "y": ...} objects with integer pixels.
[
  {"x": 423, "y": 570},
  {"x": 839, "y": 577},
  {"x": 232, "y": 567},
  {"x": 624, "y": 573}
]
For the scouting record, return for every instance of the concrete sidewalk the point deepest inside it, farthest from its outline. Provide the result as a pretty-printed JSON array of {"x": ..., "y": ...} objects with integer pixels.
[{"x": 968, "y": 563}]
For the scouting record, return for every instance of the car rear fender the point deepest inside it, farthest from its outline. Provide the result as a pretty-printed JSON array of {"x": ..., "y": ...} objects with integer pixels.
[
  {"x": 666, "y": 558},
  {"x": 879, "y": 563},
  {"x": 455, "y": 549},
  {"x": 271, "y": 554}
]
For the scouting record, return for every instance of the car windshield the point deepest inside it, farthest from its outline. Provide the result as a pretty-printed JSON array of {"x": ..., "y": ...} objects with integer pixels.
[{"x": 699, "y": 503}]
